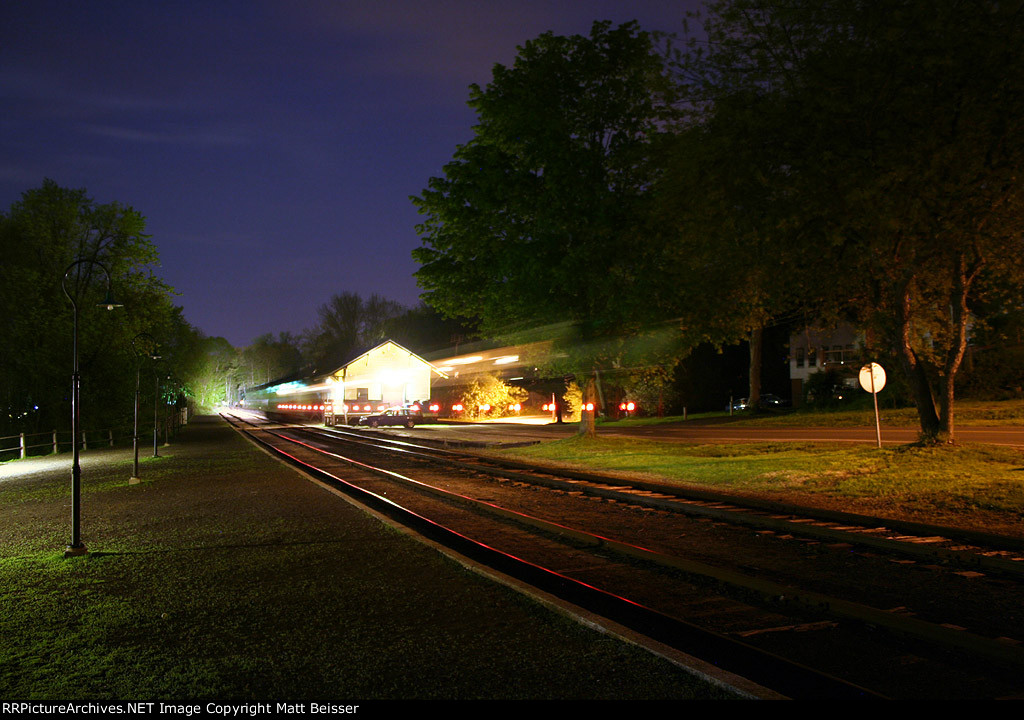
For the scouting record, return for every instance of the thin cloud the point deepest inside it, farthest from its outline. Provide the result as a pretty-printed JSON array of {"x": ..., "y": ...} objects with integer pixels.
[{"x": 170, "y": 136}]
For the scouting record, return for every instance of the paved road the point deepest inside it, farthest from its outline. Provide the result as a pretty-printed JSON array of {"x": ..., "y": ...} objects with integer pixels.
[
  {"x": 1012, "y": 436},
  {"x": 694, "y": 431}
]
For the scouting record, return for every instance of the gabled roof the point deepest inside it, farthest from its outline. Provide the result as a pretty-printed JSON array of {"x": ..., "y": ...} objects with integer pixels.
[{"x": 379, "y": 347}]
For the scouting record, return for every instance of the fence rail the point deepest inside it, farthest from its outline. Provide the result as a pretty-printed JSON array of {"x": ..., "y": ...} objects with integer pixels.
[{"x": 23, "y": 445}]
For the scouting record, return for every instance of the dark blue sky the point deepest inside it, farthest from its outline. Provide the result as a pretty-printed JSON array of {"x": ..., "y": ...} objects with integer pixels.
[{"x": 271, "y": 146}]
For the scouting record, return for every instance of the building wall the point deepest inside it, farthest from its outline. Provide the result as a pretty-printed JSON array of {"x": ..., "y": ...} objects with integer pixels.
[{"x": 388, "y": 374}]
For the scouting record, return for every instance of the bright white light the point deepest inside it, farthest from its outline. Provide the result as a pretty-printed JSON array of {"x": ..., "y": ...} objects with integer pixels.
[{"x": 466, "y": 360}]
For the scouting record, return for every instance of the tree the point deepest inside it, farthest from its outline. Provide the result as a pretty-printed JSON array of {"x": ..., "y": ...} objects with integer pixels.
[
  {"x": 540, "y": 217},
  {"x": 423, "y": 330},
  {"x": 40, "y": 236},
  {"x": 898, "y": 127},
  {"x": 209, "y": 370},
  {"x": 721, "y": 204},
  {"x": 268, "y": 358},
  {"x": 348, "y": 324}
]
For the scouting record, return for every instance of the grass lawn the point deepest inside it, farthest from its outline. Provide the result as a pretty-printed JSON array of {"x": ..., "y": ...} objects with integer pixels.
[{"x": 976, "y": 486}]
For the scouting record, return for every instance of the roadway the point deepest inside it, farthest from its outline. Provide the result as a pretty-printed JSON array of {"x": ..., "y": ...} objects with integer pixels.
[{"x": 694, "y": 431}]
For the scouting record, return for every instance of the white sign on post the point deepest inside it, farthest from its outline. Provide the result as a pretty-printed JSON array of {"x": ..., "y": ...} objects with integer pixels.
[{"x": 872, "y": 379}]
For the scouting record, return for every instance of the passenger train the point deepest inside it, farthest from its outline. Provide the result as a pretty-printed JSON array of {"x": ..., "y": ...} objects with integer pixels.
[{"x": 390, "y": 376}]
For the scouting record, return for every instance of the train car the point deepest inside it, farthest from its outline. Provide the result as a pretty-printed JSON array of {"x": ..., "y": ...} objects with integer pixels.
[
  {"x": 290, "y": 399},
  {"x": 386, "y": 376}
]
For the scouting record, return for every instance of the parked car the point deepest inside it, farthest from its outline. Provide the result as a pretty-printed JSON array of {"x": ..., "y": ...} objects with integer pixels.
[
  {"x": 737, "y": 405},
  {"x": 772, "y": 402},
  {"x": 393, "y": 416}
]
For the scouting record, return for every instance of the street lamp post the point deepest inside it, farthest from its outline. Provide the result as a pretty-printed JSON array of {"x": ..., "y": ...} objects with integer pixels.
[
  {"x": 150, "y": 351},
  {"x": 77, "y": 547},
  {"x": 156, "y": 409}
]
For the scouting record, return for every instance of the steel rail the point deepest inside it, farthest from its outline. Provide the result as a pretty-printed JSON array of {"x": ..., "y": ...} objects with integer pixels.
[
  {"x": 768, "y": 590},
  {"x": 792, "y": 679},
  {"x": 683, "y": 500}
]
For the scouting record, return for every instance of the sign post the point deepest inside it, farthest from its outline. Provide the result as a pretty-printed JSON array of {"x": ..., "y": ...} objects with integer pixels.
[{"x": 872, "y": 379}]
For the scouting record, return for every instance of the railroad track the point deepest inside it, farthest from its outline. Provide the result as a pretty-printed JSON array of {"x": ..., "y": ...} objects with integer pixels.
[
  {"x": 743, "y": 617},
  {"x": 953, "y": 547}
]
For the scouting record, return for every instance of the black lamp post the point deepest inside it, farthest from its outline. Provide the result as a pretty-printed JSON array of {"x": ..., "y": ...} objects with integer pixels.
[
  {"x": 143, "y": 345},
  {"x": 77, "y": 547},
  {"x": 156, "y": 409}
]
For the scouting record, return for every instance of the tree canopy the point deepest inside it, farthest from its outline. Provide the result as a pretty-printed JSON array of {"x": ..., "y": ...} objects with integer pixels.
[
  {"x": 889, "y": 135},
  {"x": 816, "y": 159},
  {"x": 540, "y": 216},
  {"x": 41, "y": 236},
  {"x": 348, "y": 324}
]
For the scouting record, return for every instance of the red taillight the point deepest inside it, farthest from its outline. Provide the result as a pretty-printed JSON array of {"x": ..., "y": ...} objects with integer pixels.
[
  {"x": 589, "y": 407},
  {"x": 435, "y": 408}
]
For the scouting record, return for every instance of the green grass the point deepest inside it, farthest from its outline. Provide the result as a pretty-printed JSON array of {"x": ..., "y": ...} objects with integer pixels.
[{"x": 964, "y": 485}]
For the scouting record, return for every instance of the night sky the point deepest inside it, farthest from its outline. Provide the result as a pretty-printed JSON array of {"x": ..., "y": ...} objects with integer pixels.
[{"x": 271, "y": 146}]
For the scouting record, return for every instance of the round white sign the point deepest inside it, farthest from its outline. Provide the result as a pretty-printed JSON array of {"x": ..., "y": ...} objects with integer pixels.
[{"x": 872, "y": 377}]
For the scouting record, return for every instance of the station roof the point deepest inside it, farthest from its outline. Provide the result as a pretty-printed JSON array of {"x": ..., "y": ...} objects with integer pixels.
[{"x": 381, "y": 348}]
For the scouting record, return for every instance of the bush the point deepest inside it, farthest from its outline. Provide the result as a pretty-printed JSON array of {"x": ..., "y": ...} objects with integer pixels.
[
  {"x": 994, "y": 374},
  {"x": 827, "y": 389},
  {"x": 487, "y": 396}
]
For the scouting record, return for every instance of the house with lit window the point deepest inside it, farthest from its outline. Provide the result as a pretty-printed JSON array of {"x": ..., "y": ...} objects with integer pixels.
[{"x": 814, "y": 349}]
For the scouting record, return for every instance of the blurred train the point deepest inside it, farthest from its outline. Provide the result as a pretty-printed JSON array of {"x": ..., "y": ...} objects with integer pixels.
[
  {"x": 390, "y": 376},
  {"x": 310, "y": 400}
]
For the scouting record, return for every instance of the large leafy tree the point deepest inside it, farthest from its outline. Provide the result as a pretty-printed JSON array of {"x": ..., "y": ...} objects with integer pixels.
[
  {"x": 40, "y": 237},
  {"x": 895, "y": 146},
  {"x": 721, "y": 204},
  {"x": 541, "y": 217},
  {"x": 537, "y": 218}
]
